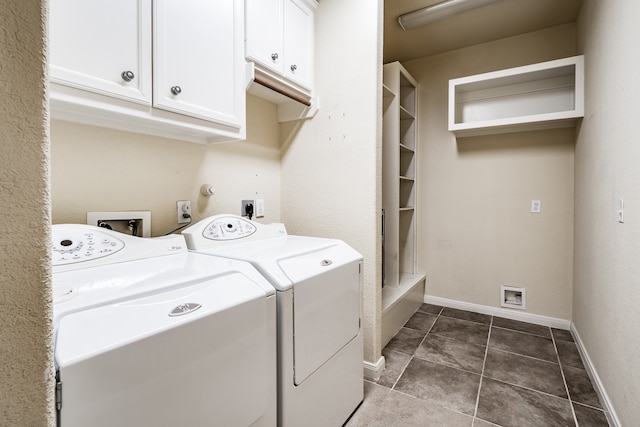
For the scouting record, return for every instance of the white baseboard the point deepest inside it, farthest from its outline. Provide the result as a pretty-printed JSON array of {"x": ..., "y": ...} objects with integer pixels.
[
  {"x": 537, "y": 319},
  {"x": 372, "y": 371},
  {"x": 612, "y": 417}
]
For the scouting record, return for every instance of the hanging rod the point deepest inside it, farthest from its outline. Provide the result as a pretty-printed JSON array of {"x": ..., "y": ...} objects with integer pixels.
[{"x": 268, "y": 85}]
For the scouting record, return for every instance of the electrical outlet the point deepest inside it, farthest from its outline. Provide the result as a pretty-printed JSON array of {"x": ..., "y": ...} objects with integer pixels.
[
  {"x": 243, "y": 207},
  {"x": 184, "y": 208}
]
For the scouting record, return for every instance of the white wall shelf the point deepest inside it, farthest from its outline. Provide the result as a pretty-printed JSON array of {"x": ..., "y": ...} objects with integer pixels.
[
  {"x": 399, "y": 175},
  {"x": 403, "y": 288},
  {"x": 538, "y": 96}
]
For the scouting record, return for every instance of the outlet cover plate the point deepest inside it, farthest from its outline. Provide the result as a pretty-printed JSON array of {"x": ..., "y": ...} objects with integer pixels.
[{"x": 184, "y": 207}]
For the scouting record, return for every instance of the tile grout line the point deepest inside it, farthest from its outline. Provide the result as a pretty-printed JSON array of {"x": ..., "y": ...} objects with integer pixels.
[
  {"x": 505, "y": 328},
  {"x": 526, "y": 356},
  {"x": 484, "y": 362},
  {"x": 564, "y": 380},
  {"x": 393, "y": 387}
]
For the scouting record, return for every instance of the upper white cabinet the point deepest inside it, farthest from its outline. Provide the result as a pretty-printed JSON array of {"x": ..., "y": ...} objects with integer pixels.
[
  {"x": 279, "y": 38},
  {"x": 195, "y": 50},
  {"x": 539, "y": 96},
  {"x": 174, "y": 69},
  {"x": 265, "y": 33},
  {"x": 298, "y": 43},
  {"x": 103, "y": 47}
]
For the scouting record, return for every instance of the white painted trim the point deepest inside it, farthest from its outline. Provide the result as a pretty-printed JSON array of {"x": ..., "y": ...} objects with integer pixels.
[
  {"x": 537, "y": 319},
  {"x": 612, "y": 417},
  {"x": 372, "y": 371}
]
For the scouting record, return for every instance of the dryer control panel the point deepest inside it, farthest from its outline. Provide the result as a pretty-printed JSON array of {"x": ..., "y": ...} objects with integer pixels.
[{"x": 228, "y": 228}]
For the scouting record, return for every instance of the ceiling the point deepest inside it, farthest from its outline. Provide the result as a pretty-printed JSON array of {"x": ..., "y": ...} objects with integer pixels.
[{"x": 504, "y": 18}]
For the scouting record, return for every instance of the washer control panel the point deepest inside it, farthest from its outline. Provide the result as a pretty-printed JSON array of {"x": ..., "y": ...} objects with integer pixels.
[
  {"x": 228, "y": 228},
  {"x": 71, "y": 245}
]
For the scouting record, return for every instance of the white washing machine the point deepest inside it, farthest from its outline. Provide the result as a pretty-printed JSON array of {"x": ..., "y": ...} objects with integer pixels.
[
  {"x": 318, "y": 283},
  {"x": 149, "y": 334}
]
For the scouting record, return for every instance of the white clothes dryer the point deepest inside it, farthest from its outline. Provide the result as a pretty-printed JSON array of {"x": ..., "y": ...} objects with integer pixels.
[
  {"x": 318, "y": 284},
  {"x": 149, "y": 334}
]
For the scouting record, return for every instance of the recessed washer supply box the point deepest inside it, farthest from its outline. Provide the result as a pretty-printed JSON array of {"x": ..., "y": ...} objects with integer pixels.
[{"x": 538, "y": 96}]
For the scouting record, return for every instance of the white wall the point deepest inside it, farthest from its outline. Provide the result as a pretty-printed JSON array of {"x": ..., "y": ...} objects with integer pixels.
[
  {"x": 331, "y": 164},
  {"x": 475, "y": 228},
  {"x": 26, "y": 356},
  {"x": 607, "y": 293},
  {"x": 99, "y": 169}
]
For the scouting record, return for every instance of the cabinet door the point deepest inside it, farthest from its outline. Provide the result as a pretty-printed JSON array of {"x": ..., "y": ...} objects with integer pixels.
[
  {"x": 298, "y": 43},
  {"x": 92, "y": 43},
  {"x": 264, "y": 42},
  {"x": 198, "y": 59}
]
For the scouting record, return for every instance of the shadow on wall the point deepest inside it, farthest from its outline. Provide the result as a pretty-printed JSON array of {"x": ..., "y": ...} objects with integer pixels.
[
  {"x": 288, "y": 132},
  {"x": 533, "y": 140}
]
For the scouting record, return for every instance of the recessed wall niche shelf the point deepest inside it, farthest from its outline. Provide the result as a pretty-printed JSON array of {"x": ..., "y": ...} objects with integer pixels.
[{"x": 538, "y": 96}]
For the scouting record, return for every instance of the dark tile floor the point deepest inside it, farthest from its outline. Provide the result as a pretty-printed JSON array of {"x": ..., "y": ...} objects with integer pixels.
[{"x": 449, "y": 367}]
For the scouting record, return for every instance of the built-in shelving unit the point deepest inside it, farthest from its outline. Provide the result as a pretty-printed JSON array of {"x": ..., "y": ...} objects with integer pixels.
[
  {"x": 403, "y": 288},
  {"x": 538, "y": 96}
]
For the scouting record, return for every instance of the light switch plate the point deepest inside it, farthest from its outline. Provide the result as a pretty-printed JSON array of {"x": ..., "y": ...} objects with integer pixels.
[{"x": 535, "y": 206}]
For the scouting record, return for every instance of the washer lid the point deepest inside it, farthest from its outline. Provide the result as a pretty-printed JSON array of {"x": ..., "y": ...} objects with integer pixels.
[
  {"x": 87, "y": 333},
  {"x": 138, "y": 363},
  {"x": 109, "y": 284}
]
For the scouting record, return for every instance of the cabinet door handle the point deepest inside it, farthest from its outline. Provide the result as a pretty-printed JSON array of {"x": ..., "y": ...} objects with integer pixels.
[
  {"x": 294, "y": 67},
  {"x": 127, "y": 76},
  {"x": 176, "y": 90},
  {"x": 274, "y": 56}
]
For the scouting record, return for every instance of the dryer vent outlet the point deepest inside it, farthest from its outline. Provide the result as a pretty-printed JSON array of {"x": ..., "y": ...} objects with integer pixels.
[{"x": 513, "y": 297}]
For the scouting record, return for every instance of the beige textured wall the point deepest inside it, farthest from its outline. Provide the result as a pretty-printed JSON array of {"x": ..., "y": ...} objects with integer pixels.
[
  {"x": 607, "y": 292},
  {"x": 331, "y": 164},
  {"x": 475, "y": 228},
  {"x": 26, "y": 363},
  {"x": 99, "y": 169}
]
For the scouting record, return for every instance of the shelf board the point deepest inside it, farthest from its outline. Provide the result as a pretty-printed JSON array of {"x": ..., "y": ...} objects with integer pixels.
[
  {"x": 406, "y": 114},
  {"x": 387, "y": 93},
  {"x": 406, "y": 209},
  {"x": 538, "y": 96},
  {"x": 404, "y": 147},
  {"x": 392, "y": 294}
]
